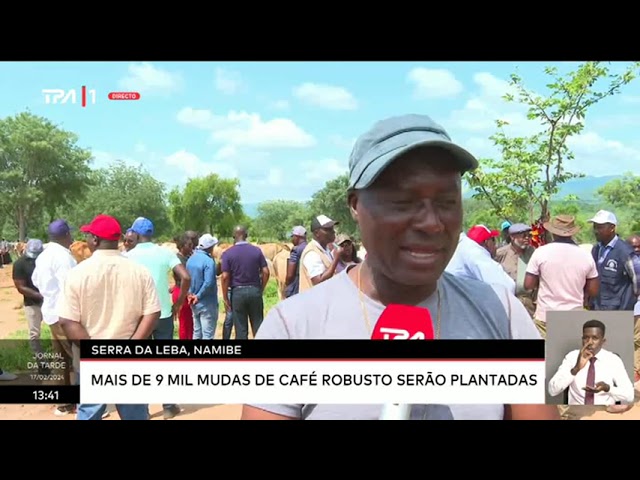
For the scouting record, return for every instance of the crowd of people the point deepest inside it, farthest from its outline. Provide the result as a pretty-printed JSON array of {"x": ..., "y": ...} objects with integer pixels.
[{"x": 407, "y": 203}]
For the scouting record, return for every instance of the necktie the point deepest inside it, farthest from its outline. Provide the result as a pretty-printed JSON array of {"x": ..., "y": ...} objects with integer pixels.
[{"x": 591, "y": 380}]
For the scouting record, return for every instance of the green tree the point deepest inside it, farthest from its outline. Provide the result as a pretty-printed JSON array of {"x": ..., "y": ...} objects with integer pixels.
[
  {"x": 41, "y": 169},
  {"x": 125, "y": 192},
  {"x": 624, "y": 195},
  {"x": 207, "y": 204},
  {"x": 532, "y": 168},
  {"x": 276, "y": 218},
  {"x": 331, "y": 201}
]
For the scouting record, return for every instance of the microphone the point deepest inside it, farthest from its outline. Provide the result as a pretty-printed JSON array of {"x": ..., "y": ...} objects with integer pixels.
[{"x": 402, "y": 322}]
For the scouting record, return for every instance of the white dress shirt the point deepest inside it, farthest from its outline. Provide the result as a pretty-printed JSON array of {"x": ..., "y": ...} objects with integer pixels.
[
  {"x": 52, "y": 266},
  {"x": 609, "y": 369},
  {"x": 471, "y": 260}
]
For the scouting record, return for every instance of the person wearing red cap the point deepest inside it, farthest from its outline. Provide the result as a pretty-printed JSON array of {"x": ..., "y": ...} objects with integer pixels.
[
  {"x": 474, "y": 255},
  {"x": 484, "y": 237},
  {"x": 108, "y": 297}
]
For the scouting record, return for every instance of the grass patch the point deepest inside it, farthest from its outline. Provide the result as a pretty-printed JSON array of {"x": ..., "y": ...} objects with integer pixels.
[{"x": 16, "y": 353}]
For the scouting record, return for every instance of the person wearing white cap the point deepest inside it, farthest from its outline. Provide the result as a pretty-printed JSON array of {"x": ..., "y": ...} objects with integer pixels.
[
  {"x": 299, "y": 240},
  {"x": 203, "y": 291},
  {"x": 613, "y": 258},
  {"x": 514, "y": 257},
  {"x": 318, "y": 261}
]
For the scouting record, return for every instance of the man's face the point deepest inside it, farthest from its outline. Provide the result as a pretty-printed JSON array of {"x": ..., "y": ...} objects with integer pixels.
[
  {"x": 635, "y": 244},
  {"x": 521, "y": 240},
  {"x": 325, "y": 235},
  {"x": 411, "y": 217},
  {"x": 130, "y": 240},
  {"x": 603, "y": 232},
  {"x": 593, "y": 338}
]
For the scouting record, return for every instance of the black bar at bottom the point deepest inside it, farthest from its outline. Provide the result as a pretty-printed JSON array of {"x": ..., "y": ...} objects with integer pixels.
[{"x": 60, "y": 394}]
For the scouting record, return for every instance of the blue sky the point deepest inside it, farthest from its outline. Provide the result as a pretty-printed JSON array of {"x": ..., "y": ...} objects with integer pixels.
[{"x": 286, "y": 128}]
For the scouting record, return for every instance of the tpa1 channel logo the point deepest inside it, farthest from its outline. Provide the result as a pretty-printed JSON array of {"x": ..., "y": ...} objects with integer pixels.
[{"x": 59, "y": 96}]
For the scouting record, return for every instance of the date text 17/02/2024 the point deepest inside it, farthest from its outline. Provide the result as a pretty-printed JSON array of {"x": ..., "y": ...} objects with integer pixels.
[{"x": 168, "y": 350}]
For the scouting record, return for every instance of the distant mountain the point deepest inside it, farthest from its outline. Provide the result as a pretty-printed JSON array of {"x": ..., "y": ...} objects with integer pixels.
[{"x": 585, "y": 188}]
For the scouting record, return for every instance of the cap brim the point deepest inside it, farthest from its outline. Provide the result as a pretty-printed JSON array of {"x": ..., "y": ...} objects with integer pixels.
[
  {"x": 85, "y": 228},
  {"x": 330, "y": 224},
  {"x": 600, "y": 221},
  {"x": 463, "y": 160}
]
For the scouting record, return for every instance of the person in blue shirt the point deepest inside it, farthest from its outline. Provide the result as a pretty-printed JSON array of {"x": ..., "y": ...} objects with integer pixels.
[{"x": 203, "y": 291}]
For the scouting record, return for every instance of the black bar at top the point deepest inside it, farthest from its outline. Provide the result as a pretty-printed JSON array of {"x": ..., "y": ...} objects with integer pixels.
[
  {"x": 59, "y": 394},
  {"x": 312, "y": 349}
]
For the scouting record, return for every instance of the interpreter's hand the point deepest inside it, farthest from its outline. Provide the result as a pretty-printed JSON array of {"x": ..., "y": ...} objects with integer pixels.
[
  {"x": 598, "y": 387},
  {"x": 584, "y": 357}
]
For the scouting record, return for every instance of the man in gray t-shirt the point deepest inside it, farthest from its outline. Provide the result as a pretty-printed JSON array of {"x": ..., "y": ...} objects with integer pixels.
[{"x": 405, "y": 194}]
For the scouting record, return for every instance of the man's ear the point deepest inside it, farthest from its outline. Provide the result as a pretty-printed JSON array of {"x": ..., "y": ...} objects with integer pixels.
[{"x": 352, "y": 199}]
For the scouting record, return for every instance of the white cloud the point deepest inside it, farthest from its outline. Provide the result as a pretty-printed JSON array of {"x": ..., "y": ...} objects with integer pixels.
[
  {"x": 192, "y": 166},
  {"x": 149, "y": 80},
  {"x": 242, "y": 129},
  {"x": 486, "y": 105},
  {"x": 319, "y": 172},
  {"x": 595, "y": 155},
  {"x": 433, "y": 83},
  {"x": 228, "y": 82},
  {"x": 329, "y": 97}
]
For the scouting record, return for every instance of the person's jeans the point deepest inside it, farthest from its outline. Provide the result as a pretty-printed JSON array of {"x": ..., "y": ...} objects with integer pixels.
[
  {"x": 205, "y": 320},
  {"x": 163, "y": 331},
  {"x": 88, "y": 411},
  {"x": 248, "y": 306},
  {"x": 227, "y": 327}
]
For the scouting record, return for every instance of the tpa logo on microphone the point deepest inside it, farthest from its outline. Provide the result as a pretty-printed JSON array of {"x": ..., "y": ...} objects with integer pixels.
[{"x": 400, "y": 334}]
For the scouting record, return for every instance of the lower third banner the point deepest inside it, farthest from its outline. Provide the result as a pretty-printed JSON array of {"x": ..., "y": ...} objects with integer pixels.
[{"x": 237, "y": 379}]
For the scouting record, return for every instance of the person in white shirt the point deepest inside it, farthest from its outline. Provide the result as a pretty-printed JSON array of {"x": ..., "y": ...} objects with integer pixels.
[
  {"x": 473, "y": 259},
  {"x": 52, "y": 266},
  {"x": 318, "y": 261},
  {"x": 593, "y": 375}
]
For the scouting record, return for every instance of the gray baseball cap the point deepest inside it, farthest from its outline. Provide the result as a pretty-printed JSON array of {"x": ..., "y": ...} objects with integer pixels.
[{"x": 388, "y": 139}]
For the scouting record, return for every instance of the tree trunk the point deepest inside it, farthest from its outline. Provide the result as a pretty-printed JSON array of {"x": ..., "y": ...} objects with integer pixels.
[{"x": 22, "y": 224}]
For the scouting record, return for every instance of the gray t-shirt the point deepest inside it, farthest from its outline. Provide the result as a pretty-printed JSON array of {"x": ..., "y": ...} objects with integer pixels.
[{"x": 332, "y": 310}]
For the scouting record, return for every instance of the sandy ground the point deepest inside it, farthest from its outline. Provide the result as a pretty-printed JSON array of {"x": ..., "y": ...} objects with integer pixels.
[{"x": 10, "y": 322}]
